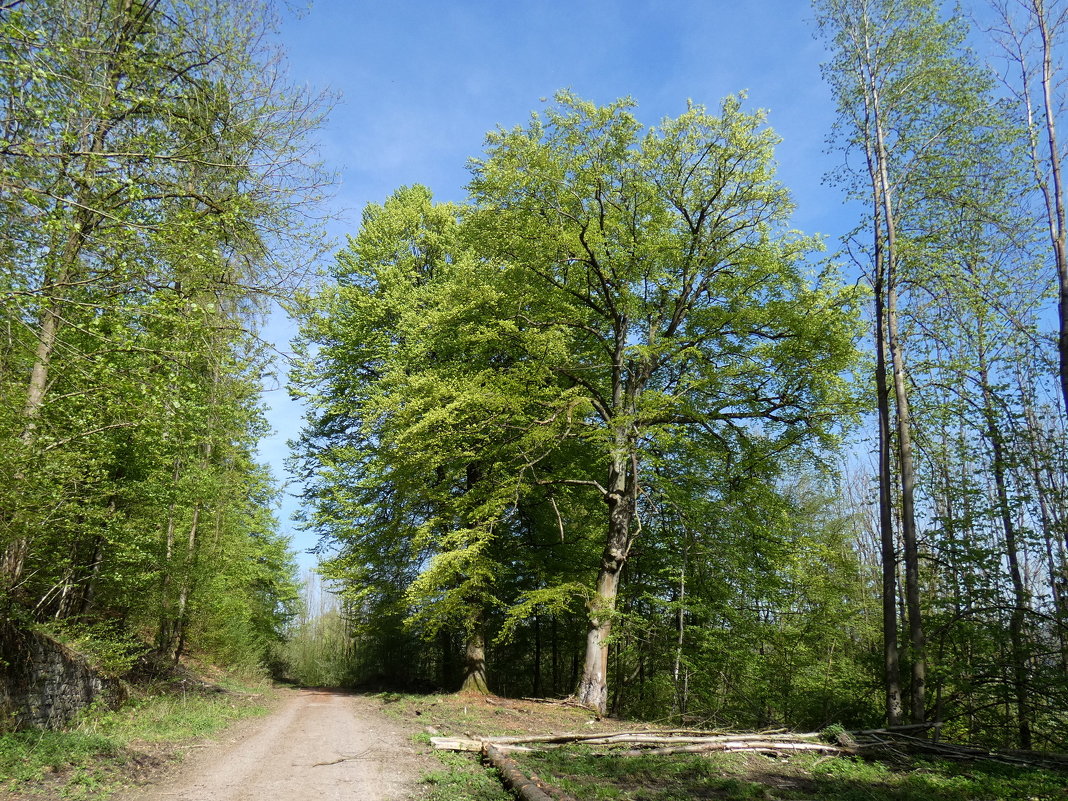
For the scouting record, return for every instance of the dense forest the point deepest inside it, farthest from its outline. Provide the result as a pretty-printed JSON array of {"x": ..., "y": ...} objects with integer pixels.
[
  {"x": 609, "y": 429},
  {"x": 154, "y": 190}
]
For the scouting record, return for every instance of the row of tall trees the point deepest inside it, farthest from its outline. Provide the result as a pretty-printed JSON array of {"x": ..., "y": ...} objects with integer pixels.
[
  {"x": 962, "y": 245},
  {"x": 152, "y": 171},
  {"x": 584, "y": 424}
]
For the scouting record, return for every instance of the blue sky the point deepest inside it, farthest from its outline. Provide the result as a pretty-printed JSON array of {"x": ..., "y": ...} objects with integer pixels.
[{"x": 421, "y": 83}]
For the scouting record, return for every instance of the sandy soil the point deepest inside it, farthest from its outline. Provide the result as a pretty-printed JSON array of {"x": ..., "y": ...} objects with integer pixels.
[{"x": 318, "y": 744}]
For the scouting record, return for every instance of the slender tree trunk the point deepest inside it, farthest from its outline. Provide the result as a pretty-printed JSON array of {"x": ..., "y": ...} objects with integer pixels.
[
  {"x": 883, "y": 255},
  {"x": 181, "y": 617},
  {"x": 574, "y": 667},
  {"x": 891, "y": 652},
  {"x": 164, "y": 635},
  {"x": 445, "y": 663},
  {"x": 556, "y": 656},
  {"x": 680, "y": 622},
  {"x": 61, "y": 272},
  {"x": 908, "y": 518},
  {"x": 1055, "y": 550},
  {"x": 1054, "y": 192},
  {"x": 13, "y": 560},
  {"x": 536, "y": 673},
  {"x": 879, "y": 168},
  {"x": 1020, "y": 601}
]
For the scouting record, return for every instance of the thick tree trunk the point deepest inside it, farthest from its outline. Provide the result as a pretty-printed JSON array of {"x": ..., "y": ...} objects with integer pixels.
[
  {"x": 475, "y": 664},
  {"x": 592, "y": 688}
]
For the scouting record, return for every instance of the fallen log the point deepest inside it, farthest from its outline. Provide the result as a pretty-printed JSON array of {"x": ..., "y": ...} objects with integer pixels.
[
  {"x": 900, "y": 743},
  {"x": 651, "y": 737},
  {"x": 523, "y": 786},
  {"x": 463, "y": 744},
  {"x": 507, "y": 743},
  {"x": 776, "y": 747},
  {"x": 889, "y": 739},
  {"x": 455, "y": 744},
  {"x": 576, "y": 737}
]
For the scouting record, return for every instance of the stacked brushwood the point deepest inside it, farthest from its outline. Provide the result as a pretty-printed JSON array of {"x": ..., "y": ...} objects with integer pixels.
[{"x": 900, "y": 740}]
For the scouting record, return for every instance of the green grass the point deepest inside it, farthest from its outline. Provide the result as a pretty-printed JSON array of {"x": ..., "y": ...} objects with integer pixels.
[
  {"x": 28, "y": 756},
  {"x": 101, "y": 752},
  {"x": 171, "y": 718},
  {"x": 463, "y": 778},
  {"x": 735, "y": 777},
  {"x": 599, "y": 777},
  {"x": 856, "y": 780}
]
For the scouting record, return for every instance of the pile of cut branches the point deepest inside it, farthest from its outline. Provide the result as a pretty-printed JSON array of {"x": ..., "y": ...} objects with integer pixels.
[
  {"x": 651, "y": 742},
  {"x": 900, "y": 741}
]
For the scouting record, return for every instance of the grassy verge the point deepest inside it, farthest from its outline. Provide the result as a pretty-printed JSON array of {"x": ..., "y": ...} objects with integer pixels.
[
  {"x": 463, "y": 778},
  {"x": 591, "y": 776},
  {"x": 741, "y": 777},
  {"x": 106, "y": 751}
]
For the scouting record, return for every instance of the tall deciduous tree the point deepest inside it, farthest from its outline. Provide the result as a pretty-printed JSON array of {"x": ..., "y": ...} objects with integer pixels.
[
  {"x": 1031, "y": 35},
  {"x": 662, "y": 261},
  {"x": 418, "y": 407}
]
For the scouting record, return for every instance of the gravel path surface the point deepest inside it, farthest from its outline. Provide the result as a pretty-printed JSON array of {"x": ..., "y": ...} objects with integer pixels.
[{"x": 318, "y": 744}]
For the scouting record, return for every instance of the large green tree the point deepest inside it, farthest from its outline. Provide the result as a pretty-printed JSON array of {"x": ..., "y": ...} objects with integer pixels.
[
  {"x": 662, "y": 261},
  {"x": 418, "y": 397}
]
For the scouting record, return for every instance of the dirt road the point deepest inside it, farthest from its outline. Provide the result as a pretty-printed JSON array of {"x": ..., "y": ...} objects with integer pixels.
[{"x": 318, "y": 745}]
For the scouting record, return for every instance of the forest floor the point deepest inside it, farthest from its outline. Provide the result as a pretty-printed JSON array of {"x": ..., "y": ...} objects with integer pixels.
[{"x": 592, "y": 775}]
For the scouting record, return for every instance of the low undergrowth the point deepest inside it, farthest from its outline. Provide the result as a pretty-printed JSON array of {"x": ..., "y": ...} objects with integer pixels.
[{"x": 105, "y": 750}]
